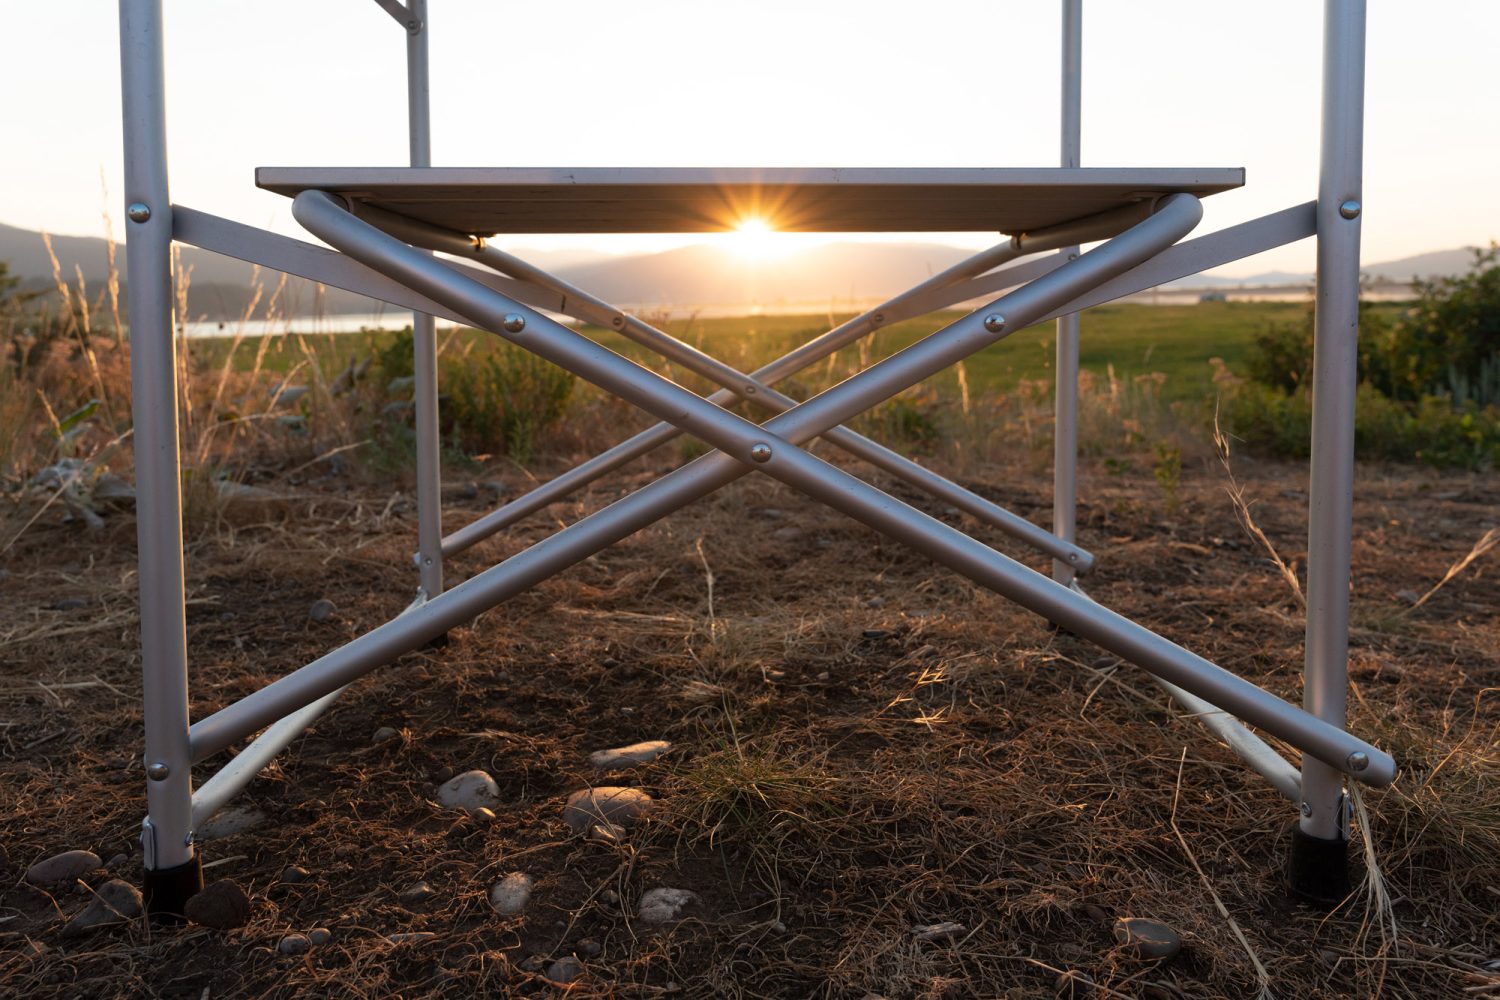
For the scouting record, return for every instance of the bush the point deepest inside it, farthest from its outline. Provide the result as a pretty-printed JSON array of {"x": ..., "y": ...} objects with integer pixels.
[{"x": 501, "y": 400}]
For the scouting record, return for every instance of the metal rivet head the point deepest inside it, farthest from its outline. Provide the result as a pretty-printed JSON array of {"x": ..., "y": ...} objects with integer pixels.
[
  {"x": 760, "y": 452},
  {"x": 1307, "y": 808},
  {"x": 514, "y": 323},
  {"x": 158, "y": 770},
  {"x": 1350, "y": 209},
  {"x": 618, "y": 321},
  {"x": 994, "y": 322},
  {"x": 1358, "y": 761},
  {"x": 878, "y": 318},
  {"x": 138, "y": 211}
]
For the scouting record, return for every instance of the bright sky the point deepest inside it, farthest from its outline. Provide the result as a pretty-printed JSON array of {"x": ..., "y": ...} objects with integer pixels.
[{"x": 765, "y": 83}]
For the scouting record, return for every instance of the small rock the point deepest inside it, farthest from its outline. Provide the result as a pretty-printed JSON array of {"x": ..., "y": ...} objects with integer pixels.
[
  {"x": 606, "y": 804},
  {"x": 622, "y": 758},
  {"x": 228, "y": 822},
  {"x": 322, "y": 610},
  {"x": 944, "y": 932},
  {"x": 564, "y": 970},
  {"x": 779, "y": 927},
  {"x": 482, "y": 815},
  {"x": 510, "y": 895},
  {"x": 1074, "y": 985},
  {"x": 589, "y": 948},
  {"x": 1148, "y": 938},
  {"x": 1095, "y": 912},
  {"x": 607, "y": 833},
  {"x": 294, "y": 944},
  {"x": 116, "y": 862},
  {"x": 295, "y": 875},
  {"x": 417, "y": 893},
  {"x": 533, "y": 963},
  {"x": 661, "y": 905},
  {"x": 222, "y": 905},
  {"x": 62, "y": 867},
  {"x": 875, "y": 602},
  {"x": 115, "y": 902},
  {"x": 68, "y": 604},
  {"x": 469, "y": 791},
  {"x": 876, "y": 633},
  {"x": 411, "y": 937},
  {"x": 320, "y": 935},
  {"x": 384, "y": 735},
  {"x": 609, "y": 896},
  {"x": 1409, "y": 596}
]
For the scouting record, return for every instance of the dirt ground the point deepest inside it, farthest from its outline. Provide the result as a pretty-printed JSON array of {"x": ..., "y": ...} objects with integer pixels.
[{"x": 862, "y": 743}]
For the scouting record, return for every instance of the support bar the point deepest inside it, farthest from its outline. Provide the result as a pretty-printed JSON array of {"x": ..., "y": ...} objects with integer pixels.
[{"x": 1253, "y": 750}]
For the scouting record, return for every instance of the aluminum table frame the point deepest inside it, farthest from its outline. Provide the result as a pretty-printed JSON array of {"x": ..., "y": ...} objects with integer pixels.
[{"x": 390, "y": 255}]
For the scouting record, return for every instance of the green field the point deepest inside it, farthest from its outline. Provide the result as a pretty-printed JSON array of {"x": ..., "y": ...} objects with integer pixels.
[{"x": 1177, "y": 341}]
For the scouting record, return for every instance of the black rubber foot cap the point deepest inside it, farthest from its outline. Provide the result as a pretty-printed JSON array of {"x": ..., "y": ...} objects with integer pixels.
[
  {"x": 1319, "y": 869},
  {"x": 167, "y": 890}
]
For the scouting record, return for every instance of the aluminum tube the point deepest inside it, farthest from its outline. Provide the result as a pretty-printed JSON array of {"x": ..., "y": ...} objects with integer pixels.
[
  {"x": 1334, "y": 379},
  {"x": 429, "y": 556},
  {"x": 654, "y": 437},
  {"x": 795, "y": 467},
  {"x": 754, "y": 391},
  {"x": 153, "y": 374},
  {"x": 232, "y": 778},
  {"x": 1065, "y": 398},
  {"x": 1253, "y": 750},
  {"x": 325, "y": 217}
]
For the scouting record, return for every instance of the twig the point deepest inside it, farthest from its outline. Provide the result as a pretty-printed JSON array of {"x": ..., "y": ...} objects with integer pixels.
[
  {"x": 1490, "y": 539},
  {"x": 1260, "y": 970}
]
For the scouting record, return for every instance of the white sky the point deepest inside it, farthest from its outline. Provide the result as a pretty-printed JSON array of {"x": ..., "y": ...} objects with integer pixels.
[{"x": 765, "y": 83}]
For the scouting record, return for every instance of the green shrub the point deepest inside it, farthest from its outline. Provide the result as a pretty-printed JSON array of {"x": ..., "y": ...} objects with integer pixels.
[
  {"x": 501, "y": 399},
  {"x": 1450, "y": 340}
]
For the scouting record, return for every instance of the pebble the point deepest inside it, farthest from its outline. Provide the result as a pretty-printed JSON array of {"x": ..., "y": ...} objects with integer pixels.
[
  {"x": 661, "y": 905},
  {"x": 114, "y": 902},
  {"x": 533, "y": 963},
  {"x": 294, "y": 944},
  {"x": 876, "y": 633},
  {"x": 384, "y": 735},
  {"x": 221, "y": 905},
  {"x": 565, "y": 970},
  {"x": 1148, "y": 938},
  {"x": 945, "y": 932},
  {"x": 68, "y": 604},
  {"x": 610, "y": 896},
  {"x": 320, "y": 935},
  {"x": 482, "y": 815},
  {"x": 322, "y": 610},
  {"x": 420, "y": 892},
  {"x": 589, "y": 948},
  {"x": 295, "y": 875},
  {"x": 606, "y": 804},
  {"x": 228, "y": 822},
  {"x": 62, "y": 867},
  {"x": 607, "y": 833},
  {"x": 411, "y": 937},
  {"x": 117, "y": 861},
  {"x": 622, "y": 758},
  {"x": 510, "y": 895},
  {"x": 469, "y": 791}
]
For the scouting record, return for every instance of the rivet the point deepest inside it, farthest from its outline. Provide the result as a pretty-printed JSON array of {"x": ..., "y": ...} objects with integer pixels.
[
  {"x": 760, "y": 452},
  {"x": 514, "y": 323},
  {"x": 1358, "y": 761},
  {"x": 158, "y": 770},
  {"x": 878, "y": 318},
  {"x": 749, "y": 390},
  {"x": 138, "y": 211},
  {"x": 1350, "y": 209},
  {"x": 618, "y": 321},
  {"x": 994, "y": 322},
  {"x": 1307, "y": 808}
]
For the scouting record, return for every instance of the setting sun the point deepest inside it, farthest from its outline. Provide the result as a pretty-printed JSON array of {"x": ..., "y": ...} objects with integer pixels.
[{"x": 756, "y": 240}]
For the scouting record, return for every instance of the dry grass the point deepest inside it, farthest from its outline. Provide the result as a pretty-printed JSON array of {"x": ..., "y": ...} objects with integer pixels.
[{"x": 862, "y": 744}]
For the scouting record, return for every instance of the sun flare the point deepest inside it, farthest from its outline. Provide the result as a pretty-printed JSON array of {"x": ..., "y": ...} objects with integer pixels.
[{"x": 755, "y": 239}]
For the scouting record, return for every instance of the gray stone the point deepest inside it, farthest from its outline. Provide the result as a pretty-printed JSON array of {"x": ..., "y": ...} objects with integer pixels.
[
  {"x": 419, "y": 892},
  {"x": 294, "y": 944},
  {"x": 658, "y": 906},
  {"x": 228, "y": 822},
  {"x": 221, "y": 905},
  {"x": 322, "y": 610},
  {"x": 115, "y": 902},
  {"x": 64, "y": 867},
  {"x": 622, "y": 758},
  {"x": 945, "y": 932},
  {"x": 605, "y": 804},
  {"x": 1149, "y": 939},
  {"x": 607, "y": 833},
  {"x": 469, "y": 791},
  {"x": 385, "y": 734},
  {"x": 482, "y": 815},
  {"x": 510, "y": 895},
  {"x": 589, "y": 948},
  {"x": 116, "y": 862},
  {"x": 320, "y": 935},
  {"x": 295, "y": 875},
  {"x": 565, "y": 970}
]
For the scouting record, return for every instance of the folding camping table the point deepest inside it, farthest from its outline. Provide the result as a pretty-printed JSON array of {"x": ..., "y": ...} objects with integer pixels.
[{"x": 386, "y": 223}]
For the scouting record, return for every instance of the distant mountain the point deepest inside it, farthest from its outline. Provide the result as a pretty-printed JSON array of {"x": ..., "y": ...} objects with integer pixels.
[{"x": 699, "y": 275}]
